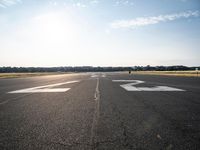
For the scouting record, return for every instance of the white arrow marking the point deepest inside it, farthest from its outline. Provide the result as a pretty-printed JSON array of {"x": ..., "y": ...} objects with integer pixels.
[
  {"x": 45, "y": 88},
  {"x": 131, "y": 86}
]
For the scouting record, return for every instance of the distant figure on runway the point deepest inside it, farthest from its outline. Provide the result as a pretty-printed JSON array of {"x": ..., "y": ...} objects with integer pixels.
[{"x": 129, "y": 72}]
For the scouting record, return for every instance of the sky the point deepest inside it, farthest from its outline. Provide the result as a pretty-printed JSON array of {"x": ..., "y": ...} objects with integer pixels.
[{"x": 48, "y": 33}]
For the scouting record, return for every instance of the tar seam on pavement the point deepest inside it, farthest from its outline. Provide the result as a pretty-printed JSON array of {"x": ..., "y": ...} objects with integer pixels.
[{"x": 95, "y": 116}]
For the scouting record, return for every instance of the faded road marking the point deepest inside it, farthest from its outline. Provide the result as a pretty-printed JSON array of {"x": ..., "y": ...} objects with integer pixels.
[
  {"x": 94, "y": 76},
  {"x": 103, "y": 75},
  {"x": 98, "y": 75}
]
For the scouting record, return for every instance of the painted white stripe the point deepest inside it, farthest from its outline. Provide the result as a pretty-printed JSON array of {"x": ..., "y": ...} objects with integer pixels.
[
  {"x": 138, "y": 81},
  {"x": 103, "y": 75},
  {"x": 45, "y": 88},
  {"x": 41, "y": 90},
  {"x": 94, "y": 76},
  {"x": 160, "y": 88}
]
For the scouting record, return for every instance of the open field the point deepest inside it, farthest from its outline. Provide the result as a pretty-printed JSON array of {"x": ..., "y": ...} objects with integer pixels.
[
  {"x": 20, "y": 75},
  {"x": 170, "y": 73}
]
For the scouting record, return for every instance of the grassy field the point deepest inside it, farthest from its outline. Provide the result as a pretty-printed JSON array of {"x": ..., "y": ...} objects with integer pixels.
[
  {"x": 20, "y": 75},
  {"x": 167, "y": 73},
  {"x": 170, "y": 73}
]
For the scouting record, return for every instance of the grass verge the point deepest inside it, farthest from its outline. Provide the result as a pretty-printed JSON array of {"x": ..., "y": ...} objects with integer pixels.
[
  {"x": 170, "y": 73},
  {"x": 22, "y": 75}
]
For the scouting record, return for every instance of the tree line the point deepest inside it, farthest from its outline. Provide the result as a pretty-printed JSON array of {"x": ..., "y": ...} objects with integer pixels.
[{"x": 94, "y": 69}]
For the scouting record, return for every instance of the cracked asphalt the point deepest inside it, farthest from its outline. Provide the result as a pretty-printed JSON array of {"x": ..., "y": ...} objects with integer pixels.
[{"x": 97, "y": 113}]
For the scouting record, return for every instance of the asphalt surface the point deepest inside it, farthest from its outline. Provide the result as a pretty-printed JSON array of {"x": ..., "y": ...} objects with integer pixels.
[{"x": 97, "y": 113}]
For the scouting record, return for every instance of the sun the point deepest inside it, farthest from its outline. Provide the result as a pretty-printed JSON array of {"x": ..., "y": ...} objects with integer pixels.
[{"x": 54, "y": 27}]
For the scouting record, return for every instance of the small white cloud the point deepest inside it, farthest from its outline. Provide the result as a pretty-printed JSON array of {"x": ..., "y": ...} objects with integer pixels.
[
  {"x": 80, "y": 5},
  {"x": 123, "y": 2},
  {"x": 6, "y": 3},
  {"x": 144, "y": 21},
  {"x": 55, "y": 3},
  {"x": 94, "y": 1},
  {"x": 75, "y": 3}
]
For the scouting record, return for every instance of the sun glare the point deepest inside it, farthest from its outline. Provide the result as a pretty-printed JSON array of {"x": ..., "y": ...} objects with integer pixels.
[{"x": 54, "y": 27}]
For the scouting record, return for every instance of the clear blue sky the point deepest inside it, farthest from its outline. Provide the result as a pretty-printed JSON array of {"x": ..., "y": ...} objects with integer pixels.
[{"x": 99, "y": 32}]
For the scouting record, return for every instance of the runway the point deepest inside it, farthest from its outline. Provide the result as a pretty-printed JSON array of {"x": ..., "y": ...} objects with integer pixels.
[{"x": 100, "y": 111}]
